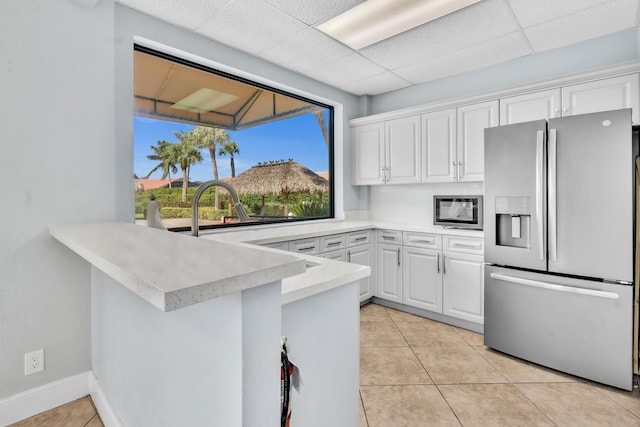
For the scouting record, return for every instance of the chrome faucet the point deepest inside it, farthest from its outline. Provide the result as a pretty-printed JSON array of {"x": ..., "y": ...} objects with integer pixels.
[{"x": 242, "y": 214}]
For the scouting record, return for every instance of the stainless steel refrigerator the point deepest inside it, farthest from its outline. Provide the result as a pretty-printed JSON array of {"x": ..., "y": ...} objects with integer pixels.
[{"x": 559, "y": 237}]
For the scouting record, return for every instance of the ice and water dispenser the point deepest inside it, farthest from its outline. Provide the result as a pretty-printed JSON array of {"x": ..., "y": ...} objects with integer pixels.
[{"x": 513, "y": 221}]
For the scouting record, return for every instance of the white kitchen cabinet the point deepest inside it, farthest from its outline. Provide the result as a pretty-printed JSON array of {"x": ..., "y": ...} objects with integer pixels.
[
  {"x": 471, "y": 122},
  {"x": 439, "y": 146},
  {"x": 590, "y": 97},
  {"x": 602, "y": 95},
  {"x": 339, "y": 255},
  {"x": 544, "y": 104},
  {"x": 462, "y": 286},
  {"x": 388, "y": 152},
  {"x": 332, "y": 242},
  {"x": 364, "y": 255},
  {"x": 310, "y": 246},
  {"x": 463, "y": 277},
  {"x": 368, "y": 154},
  {"x": 360, "y": 250},
  {"x": 421, "y": 278},
  {"x": 389, "y": 265}
]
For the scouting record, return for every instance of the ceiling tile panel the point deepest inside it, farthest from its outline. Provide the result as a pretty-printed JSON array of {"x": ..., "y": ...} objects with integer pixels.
[
  {"x": 313, "y": 12},
  {"x": 481, "y": 55},
  {"x": 594, "y": 22},
  {"x": 250, "y": 25},
  {"x": 306, "y": 50},
  {"x": 482, "y": 21},
  {"x": 531, "y": 13},
  {"x": 185, "y": 13},
  {"x": 377, "y": 84},
  {"x": 345, "y": 70}
]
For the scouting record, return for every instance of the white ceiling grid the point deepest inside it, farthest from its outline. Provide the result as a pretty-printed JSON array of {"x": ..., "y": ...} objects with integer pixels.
[{"x": 484, "y": 34}]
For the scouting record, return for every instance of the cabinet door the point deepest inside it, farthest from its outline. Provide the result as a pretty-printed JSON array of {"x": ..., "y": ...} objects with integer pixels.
[
  {"x": 472, "y": 120},
  {"x": 389, "y": 272},
  {"x": 368, "y": 154},
  {"x": 363, "y": 255},
  {"x": 439, "y": 146},
  {"x": 463, "y": 286},
  {"x": 421, "y": 279},
  {"x": 602, "y": 95},
  {"x": 530, "y": 106},
  {"x": 403, "y": 161},
  {"x": 339, "y": 255}
]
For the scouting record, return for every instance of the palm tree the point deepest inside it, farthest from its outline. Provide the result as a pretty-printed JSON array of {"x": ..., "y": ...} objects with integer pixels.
[
  {"x": 207, "y": 137},
  {"x": 163, "y": 153},
  {"x": 186, "y": 153},
  {"x": 231, "y": 148}
]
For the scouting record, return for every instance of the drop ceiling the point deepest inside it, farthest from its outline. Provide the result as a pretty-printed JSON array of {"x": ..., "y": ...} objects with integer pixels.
[{"x": 487, "y": 33}]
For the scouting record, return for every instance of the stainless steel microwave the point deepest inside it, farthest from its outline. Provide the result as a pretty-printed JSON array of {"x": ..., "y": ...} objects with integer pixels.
[{"x": 458, "y": 211}]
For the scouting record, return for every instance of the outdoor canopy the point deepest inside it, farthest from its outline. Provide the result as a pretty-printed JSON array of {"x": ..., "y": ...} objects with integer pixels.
[{"x": 164, "y": 89}]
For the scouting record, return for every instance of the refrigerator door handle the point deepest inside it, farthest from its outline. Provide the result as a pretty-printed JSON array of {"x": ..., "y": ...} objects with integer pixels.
[
  {"x": 554, "y": 287},
  {"x": 552, "y": 212},
  {"x": 540, "y": 192}
]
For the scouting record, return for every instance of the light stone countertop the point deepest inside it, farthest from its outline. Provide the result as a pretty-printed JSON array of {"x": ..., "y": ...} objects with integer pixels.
[{"x": 170, "y": 270}]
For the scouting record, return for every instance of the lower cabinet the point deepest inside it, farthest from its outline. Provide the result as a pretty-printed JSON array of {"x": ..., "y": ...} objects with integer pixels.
[
  {"x": 422, "y": 278},
  {"x": 363, "y": 255},
  {"x": 441, "y": 274},
  {"x": 462, "y": 286}
]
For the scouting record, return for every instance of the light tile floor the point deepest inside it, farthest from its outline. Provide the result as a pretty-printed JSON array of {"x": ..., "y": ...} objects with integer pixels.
[{"x": 417, "y": 372}]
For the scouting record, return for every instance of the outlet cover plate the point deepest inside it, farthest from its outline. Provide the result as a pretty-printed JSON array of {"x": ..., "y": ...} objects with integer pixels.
[{"x": 34, "y": 362}]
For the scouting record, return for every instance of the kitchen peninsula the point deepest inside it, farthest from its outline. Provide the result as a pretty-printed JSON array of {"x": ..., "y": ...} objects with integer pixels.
[{"x": 186, "y": 330}]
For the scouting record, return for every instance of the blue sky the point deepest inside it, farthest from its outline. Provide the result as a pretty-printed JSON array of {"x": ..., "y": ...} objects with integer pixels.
[{"x": 298, "y": 138}]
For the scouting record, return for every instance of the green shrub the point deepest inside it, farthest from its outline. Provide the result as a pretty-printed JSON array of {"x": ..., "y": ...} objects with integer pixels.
[{"x": 203, "y": 213}]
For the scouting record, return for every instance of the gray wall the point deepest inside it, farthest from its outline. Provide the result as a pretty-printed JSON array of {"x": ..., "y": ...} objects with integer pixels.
[
  {"x": 58, "y": 166},
  {"x": 591, "y": 54}
]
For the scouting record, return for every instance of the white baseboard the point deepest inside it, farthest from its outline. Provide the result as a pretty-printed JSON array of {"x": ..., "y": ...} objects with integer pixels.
[{"x": 40, "y": 399}]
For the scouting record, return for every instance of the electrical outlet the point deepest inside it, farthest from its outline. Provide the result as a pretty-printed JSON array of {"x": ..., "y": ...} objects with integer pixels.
[{"x": 34, "y": 362}]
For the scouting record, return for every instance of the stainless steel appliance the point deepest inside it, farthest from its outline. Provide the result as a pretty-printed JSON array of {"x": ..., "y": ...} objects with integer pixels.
[
  {"x": 559, "y": 244},
  {"x": 458, "y": 211}
]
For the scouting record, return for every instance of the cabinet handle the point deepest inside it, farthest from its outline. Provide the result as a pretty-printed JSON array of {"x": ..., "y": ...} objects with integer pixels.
[
  {"x": 455, "y": 171},
  {"x": 334, "y": 243},
  {"x": 423, "y": 241},
  {"x": 382, "y": 176},
  {"x": 360, "y": 239},
  {"x": 389, "y": 238},
  {"x": 398, "y": 257},
  {"x": 348, "y": 256},
  {"x": 438, "y": 263},
  {"x": 459, "y": 175},
  {"x": 465, "y": 245},
  {"x": 308, "y": 248},
  {"x": 444, "y": 264}
]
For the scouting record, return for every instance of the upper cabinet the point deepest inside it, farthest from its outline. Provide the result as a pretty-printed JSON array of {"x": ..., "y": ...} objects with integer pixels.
[
  {"x": 387, "y": 152},
  {"x": 453, "y": 142},
  {"x": 530, "y": 106},
  {"x": 439, "y": 158},
  {"x": 368, "y": 154},
  {"x": 432, "y": 145},
  {"x": 472, "y": 120},
  {"x": 590, "y": 97},
  {"x": 602, "y": 95}
]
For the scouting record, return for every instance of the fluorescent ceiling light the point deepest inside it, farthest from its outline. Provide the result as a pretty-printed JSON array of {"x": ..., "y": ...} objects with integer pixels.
[
  {"x": 376, "y": 20},
  {"x": 204, "y": 100}
]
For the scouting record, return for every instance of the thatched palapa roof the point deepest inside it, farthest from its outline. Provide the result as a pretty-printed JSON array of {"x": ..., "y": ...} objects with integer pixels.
[{"x": 278, "y": 177}]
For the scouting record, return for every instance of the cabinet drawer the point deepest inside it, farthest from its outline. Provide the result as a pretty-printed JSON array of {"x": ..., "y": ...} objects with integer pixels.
[
  {"x": 332, "y": 242},
  {"x": 283, "y": 246},
  {"x": 469, "y": 245},
  {"x": 339, "y": 255},
  {"x": 393, "y": 237},
  {"x": 309, "y": 246},
  {"x": 357, "y": 238},
  {"x": 422, "y": 240}
]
